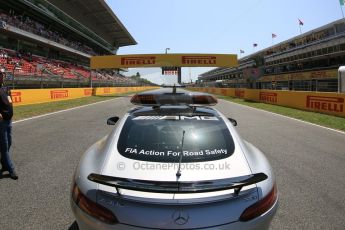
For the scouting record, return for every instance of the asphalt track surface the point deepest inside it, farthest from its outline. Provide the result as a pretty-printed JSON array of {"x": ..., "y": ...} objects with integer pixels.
[{"x": 309, "y": 163}]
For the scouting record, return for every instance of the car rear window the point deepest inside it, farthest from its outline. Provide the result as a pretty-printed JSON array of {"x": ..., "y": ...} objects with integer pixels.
[{"x": 159, "y": 138}]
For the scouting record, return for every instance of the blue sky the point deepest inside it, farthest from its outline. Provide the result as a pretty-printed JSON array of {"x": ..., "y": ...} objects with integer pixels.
[{"x": 216, "y": 26}]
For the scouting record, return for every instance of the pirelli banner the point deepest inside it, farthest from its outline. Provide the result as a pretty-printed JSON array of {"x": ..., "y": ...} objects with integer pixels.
[
  {"x": 120, "y": 90},
  {"x": 328, "y": 103},
  {"x": 35, "y": 96},
  {"x": 163, "y": 60}
]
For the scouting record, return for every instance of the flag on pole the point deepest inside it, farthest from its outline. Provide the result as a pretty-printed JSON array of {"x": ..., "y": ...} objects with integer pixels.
[
  {"x": 255, "y": 45},
  {"x": 300, "y": 22},
  {"x": 342, "y": 3},
  {"x": 242, "y": 51},
  {"x": 274, "y": 35}
]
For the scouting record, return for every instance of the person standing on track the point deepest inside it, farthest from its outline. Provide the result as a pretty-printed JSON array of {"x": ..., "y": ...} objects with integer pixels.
[{"x": 6, "y": 113}]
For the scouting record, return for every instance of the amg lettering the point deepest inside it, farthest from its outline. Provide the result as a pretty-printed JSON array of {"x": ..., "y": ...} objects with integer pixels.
[
  {"x": 58, "y": 94},
  {"x": 145, "y": 60},
  {"x": 16, "y": 97},
  {"x": 268, "y": 97},
  {"x": 199, "y": 60},
  {"x": 332, "y": 104},
  {"x": 182, "y": 118}
]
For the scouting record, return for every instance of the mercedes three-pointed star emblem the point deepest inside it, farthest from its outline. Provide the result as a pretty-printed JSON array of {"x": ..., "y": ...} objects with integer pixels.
[{"x": 180, "y": 217}]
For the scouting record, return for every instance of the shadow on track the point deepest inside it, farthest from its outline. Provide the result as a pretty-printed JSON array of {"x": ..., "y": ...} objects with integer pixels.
[
  {"x": 74, "y": 226},
  {"x": 3, "y": 176}
]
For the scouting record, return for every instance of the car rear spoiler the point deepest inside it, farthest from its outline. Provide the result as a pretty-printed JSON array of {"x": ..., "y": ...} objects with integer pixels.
[{"x": 178, "y": 186}]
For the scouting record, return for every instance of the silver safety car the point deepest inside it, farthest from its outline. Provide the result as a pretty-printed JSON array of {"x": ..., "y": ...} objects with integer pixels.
[{"x": 173, "y": 162}]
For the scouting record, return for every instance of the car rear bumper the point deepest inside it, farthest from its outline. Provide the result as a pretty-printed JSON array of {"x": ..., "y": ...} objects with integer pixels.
[{"x": 86, "y": 222}]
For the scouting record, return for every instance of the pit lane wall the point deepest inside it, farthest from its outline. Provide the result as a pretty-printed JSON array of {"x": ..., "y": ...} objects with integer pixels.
[
  {"x": 328, "y": 103},
  {"x": 36, "y": 96}
]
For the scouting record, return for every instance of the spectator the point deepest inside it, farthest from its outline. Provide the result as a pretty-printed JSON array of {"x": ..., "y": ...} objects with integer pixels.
[{"x": 6, "y": 113}]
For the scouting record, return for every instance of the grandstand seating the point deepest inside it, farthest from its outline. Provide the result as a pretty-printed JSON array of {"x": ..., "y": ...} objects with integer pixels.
[
  {"x": 32, "y": 26},
  {"x": 20, "y": 48},
  {"x": 80, "y": 71},
  {"x": 42, "y": 67}
]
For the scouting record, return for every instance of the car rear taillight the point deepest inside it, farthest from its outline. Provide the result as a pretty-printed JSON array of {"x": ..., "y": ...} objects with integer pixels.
[
  {"x": 261, "y": 206},
  {"x": 92, "y": 208}
]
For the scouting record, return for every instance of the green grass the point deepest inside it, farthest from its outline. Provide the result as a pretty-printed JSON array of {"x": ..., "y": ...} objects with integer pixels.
[
  {"x": 312, "y": 117},
  {"x": 26, "y": 111}
]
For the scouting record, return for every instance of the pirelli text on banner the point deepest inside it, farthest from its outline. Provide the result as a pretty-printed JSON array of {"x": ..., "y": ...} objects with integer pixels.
[
  {"x": 87, "y": 92},
  {"x": 16, "y": 97},
  {"x": 268, "y": 97},
  {"x": 138, "y": 60},
  {"x": 330, "y": 104},
  {"x": 58, "y": 94},
  {"x": 240, "y": 93}
]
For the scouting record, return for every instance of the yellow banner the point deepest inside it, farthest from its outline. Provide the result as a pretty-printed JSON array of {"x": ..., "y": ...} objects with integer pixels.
[
  {"x": 163, "y": 60},
  {"x": 35, "y": 96},
  {"x": 328, "y": 103},
  {"x": 119, "y": 90}
]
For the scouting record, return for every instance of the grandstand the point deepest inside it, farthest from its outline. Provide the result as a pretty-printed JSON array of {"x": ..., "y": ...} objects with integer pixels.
[
  {"x": 48, "y": 43},
  {"x": 306, "y": 62}
]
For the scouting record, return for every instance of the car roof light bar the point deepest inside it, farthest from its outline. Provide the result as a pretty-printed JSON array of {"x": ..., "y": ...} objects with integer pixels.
[{"x": 174, "y": 99}]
